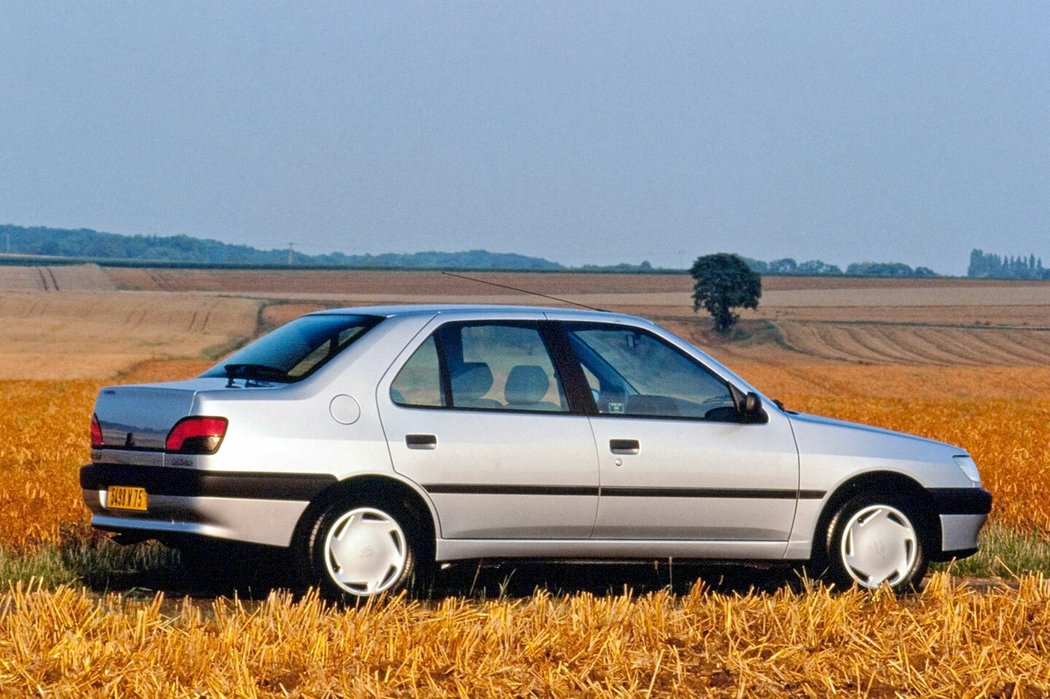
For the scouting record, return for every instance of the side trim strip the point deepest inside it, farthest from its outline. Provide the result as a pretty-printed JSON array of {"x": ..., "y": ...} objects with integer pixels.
[
  {"x": 215, "y": 484},
  {"x": 734, "y": 493},
  {"x": 472, "y": 489}
]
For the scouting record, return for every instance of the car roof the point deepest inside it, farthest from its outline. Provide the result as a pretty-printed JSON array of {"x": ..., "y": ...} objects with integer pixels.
[{"x": 469, "y": 309}]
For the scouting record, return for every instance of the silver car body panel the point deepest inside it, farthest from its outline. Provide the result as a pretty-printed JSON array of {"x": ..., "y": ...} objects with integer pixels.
[
  {"x": 506, "y": 484},
  {"x": 542, "y": 484},
  {"x": 832, "y": 452},
  {"x": 959, "y": 532},
  {"x": 139, "y": 417},
  {"x": 692, "y": 480}
]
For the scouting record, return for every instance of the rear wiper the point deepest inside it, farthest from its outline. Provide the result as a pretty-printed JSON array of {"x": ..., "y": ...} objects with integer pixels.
[{"x": 257, "y": 372}]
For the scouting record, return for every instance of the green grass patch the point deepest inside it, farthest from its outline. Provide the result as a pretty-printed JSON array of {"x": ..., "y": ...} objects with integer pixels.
[
  {"x": 1004, "y": 553},
  {"x": 98, "y": 564},
  {"x": 102, "y": 565}
]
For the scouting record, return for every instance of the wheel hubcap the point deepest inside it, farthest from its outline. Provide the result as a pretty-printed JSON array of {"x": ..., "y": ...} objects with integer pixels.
[
  {"x": 365, "y": 551},
  {"x": 879, "y": 545}
]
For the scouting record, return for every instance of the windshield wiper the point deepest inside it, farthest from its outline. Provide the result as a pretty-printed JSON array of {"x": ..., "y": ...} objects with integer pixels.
[{"x": 253, "y": 372}]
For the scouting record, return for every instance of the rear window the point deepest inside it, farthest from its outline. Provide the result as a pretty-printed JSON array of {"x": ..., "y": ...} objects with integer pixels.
[{"x": 296, "y": 350}]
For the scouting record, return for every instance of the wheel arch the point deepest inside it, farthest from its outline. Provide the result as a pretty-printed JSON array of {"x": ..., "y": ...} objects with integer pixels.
[
  {"x": 883, "y": 483},
  {"x": 383, "y": 487}
]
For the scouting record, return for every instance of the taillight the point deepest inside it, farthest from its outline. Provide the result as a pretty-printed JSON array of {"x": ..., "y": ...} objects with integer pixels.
[
  {"x": 196, "y": 435},
  {"x": 96, "y": 433}
]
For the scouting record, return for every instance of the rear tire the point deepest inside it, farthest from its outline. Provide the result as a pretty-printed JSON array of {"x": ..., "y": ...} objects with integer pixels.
[
  {"x": 360, "y": 548},
  {"x": 875, "y": 540}
]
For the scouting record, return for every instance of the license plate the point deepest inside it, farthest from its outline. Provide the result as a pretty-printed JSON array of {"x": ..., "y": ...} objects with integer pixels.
[{"x": 121, "y": 497}]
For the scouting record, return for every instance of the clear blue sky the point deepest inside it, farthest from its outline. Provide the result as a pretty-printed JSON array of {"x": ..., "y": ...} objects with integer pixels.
[{"x": 581, "y": 132}]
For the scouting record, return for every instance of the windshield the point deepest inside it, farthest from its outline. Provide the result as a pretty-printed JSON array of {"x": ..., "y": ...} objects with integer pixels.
[{"x": 294, "y": 351}]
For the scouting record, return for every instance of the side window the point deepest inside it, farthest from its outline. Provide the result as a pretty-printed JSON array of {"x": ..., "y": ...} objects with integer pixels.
[
  {"x": 634, "y": 373},
  {"x": 490, "y": 366},
  {"x": 419, "y": 381},
  {"x": 501, "y": 367}
]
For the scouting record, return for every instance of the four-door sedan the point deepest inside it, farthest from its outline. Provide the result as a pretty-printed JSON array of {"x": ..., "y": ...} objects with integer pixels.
[{"x": 377, "y": 441}]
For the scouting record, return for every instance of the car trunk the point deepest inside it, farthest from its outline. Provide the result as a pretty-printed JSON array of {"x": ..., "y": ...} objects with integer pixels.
[{"x": 140, "y": 417}]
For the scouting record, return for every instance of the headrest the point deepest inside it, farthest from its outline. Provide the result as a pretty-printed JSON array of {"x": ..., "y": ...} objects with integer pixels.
[
  {"x": 472, "y": 380},
  {"x": 526, "y": 383}
]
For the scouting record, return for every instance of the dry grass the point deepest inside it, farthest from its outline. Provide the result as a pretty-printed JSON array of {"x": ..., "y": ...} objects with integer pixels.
[
  {"x": 947, "y": 642},
  {"x": 46, "y": 428}
]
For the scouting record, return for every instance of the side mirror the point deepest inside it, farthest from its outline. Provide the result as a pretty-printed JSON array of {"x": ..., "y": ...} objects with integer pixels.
[
  {"x": 749, "y": 408},
  {"x": 751, "y": 411}
]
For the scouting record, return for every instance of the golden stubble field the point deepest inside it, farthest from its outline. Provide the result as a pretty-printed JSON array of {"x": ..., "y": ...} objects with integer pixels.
[{"x": 57, "y": 348}]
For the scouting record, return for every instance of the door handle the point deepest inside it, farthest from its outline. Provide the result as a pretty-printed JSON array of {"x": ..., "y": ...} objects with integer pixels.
[
  {"x": 421, "y": 441},
  {"x": 624, "y": 446}
]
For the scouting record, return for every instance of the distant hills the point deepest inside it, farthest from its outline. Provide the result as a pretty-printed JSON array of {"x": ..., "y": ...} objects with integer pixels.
[{"x": 57, "y": 244}]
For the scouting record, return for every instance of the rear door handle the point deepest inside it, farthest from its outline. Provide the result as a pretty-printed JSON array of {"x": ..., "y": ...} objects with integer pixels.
[
  {"x": 624, "y": 446},
  {"x": 421, "y": 441}
]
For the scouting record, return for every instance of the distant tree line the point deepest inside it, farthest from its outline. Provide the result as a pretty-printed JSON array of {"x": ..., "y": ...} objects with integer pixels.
[
  {"x": 788, "y": 265},
  {"x": 86, "y": 243},
  {"x": 989, "y": 266},
  {"x": 182, "y": 249},
  {"x": 93, "y": 245}
]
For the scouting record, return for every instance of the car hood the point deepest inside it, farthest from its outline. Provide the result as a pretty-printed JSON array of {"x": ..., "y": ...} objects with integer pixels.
[{"x": 822, "y": 435}]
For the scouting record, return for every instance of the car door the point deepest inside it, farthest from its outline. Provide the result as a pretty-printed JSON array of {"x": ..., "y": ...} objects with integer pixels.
[
  {"x": 676, "y": 460},
  {"x": 479, "y": 418}
]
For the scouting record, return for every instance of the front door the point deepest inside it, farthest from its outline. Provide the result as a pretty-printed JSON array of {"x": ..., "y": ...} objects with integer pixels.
[{"x": 676, "y": 462}]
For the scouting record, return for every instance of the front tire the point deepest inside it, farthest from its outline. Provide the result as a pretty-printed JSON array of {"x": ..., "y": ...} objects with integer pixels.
[
  {"x": 874, "y": 541},
  {"x": 359, "y": 548}
]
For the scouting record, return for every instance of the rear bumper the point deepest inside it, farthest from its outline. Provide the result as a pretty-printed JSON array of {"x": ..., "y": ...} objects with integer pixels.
[
  {"x": 259, "y": 508},
  {"x": 186, "y": 482}
]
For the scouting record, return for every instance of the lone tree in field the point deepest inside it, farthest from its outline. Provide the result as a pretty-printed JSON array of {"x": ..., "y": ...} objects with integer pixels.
[{"x": 721, "y": 283}]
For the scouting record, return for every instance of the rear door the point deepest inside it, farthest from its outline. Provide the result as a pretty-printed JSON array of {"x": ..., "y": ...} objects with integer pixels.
[{"x": 478, "y": 416}]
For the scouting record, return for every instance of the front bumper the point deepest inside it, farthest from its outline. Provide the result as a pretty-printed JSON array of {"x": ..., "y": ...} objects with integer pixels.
[
  {"x": 962, "y": 513},
  {"x": 260, "y": 508}
]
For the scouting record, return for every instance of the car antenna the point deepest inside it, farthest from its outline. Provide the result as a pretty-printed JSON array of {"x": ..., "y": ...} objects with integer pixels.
[{"x": 524, "y": 291}]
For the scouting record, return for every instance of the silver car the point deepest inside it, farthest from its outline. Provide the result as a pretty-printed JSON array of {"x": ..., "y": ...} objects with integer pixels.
[{"x": 376, "y": 442}]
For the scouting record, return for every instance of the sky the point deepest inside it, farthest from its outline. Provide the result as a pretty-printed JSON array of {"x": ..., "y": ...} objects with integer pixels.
[{"x": 582, "y": 132}]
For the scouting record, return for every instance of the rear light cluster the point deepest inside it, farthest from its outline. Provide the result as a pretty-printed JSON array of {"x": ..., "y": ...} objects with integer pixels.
[
  {"x": 96, "y": 433},
  {"x": 190, "y": 435},
  {"x": 196, "y": 435}
]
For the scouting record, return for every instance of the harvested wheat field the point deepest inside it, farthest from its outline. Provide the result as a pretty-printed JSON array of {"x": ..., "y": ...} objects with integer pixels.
[
  {"x": 96, "y": 335},
  {"x": 970, "y": 374},
  {"x": 55, "y": 278},
  {"x": 944, "y": 322}
]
